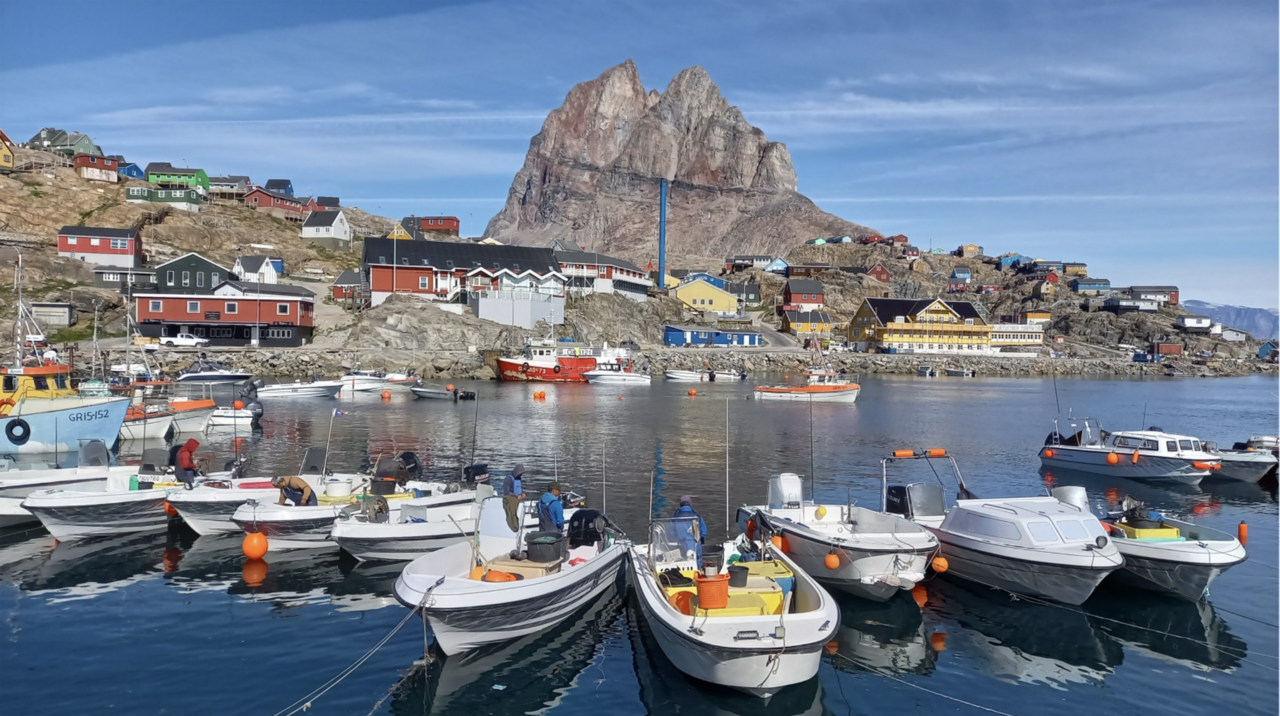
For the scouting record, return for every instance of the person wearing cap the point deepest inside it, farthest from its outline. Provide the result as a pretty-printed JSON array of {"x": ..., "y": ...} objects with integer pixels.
[
  {"x": 688, "y": 540},
  {"x": 550, "y": 511},
  {"x": 295, "y": 489},
  {"x": 512, "y": 493}
]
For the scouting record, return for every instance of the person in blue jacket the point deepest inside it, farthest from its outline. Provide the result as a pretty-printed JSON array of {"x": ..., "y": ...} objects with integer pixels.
[
  {"x": 688, "y": 540},
  {"x": 550, "y": 511}
]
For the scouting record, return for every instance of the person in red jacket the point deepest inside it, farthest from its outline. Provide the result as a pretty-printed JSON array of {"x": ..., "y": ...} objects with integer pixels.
[{"x": 187, "y": 468}]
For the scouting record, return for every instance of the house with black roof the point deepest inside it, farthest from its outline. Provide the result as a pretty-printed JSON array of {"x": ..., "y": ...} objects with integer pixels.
[
  {"x": 104, "y": 246},
  {"x": 279, "y": 186},
  {"x": 229, "y": 187},
  {"x": 233, "y": 313},
  {"x": 328, "y": 229},
  {"x": 346, "y": 287},
  {"x": 259, "y": 269},
  {"x": 926, "y": 325},
  {"x": 803, "y": 294},
  {"x": 588, "y": 272}
]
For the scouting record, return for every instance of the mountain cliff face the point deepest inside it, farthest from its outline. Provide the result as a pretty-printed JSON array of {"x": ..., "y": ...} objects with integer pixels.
[{"x": 592, "y": 175}]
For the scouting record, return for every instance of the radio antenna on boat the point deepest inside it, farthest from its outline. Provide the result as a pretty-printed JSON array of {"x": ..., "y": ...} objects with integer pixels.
[
  {"x": 726, "y": 467},
  {"x": 1056, "y": 402},
  {"x": 1144, "y": 415},
  {"x": 604, "y": 483},
  {"x": 811, "y": 477}
]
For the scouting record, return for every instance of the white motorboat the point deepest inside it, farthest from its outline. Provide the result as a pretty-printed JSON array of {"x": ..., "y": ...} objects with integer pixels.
[
  {"x": 476, "y": 593},
  {"x": 18, "y": 481},
  {"x": 308, "y": 526},
  {"x": 960, "y": 372},
  {"x": 209, "y": 371},
  {"x": 1036, "y": 546},
  {"x": 616, "y": 374},
  {"x": 866, "y": 553},
  {"x": 1144, "y": 455},
  {"x": 190, "y": 415},
  {"x": 704, "y": 376},
  {"x": 117, "y": 505},
  {"x": 926, "y": 371},
  {"x": 245, "y": 418},
  {"x": 300, "y": 389},
  {"x": 1264, "y": 442},
  {"x": 434, "y": 392},
  {"x": 147, "y": 421},
  {"x": 823, "y": 385},
  {"x": 363, "y": 381},
  {"x": 418, "y": 526},
  {"x": 758, "y": 633},
  {"x": 208, "y": 509},
  {"x": 1167, "y": 555},
  {"x": 1244, "y": 465},
  {"x": 404, "y": 378}
]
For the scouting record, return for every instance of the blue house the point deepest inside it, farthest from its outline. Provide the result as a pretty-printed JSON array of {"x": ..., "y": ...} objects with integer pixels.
[
  {"x": 280, "y": 186},
  {"x": 962, "y": 273},
  {"x": 1266, "y": 350},
  {"x": 1040, "y": 265},
  {"x": 1009, "y": 260},
  {"x": 708, "y": 336},
  {"x": 778, "y": 266},
  {"x": 131, "y": 170},
  {"x": 278, "y": 263},
  {"x": 700, "y": 276},
  {"x": 1090, "y": 285}
]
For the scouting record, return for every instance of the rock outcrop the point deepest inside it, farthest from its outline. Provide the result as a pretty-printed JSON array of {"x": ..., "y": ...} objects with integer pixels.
[{"x": 592, "y": 175}]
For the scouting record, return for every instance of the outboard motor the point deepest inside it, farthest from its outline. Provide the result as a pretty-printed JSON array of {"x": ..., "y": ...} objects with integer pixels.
[
  {"x": 912, "y": 501},
  {"x": 476, "y": 473},
  {"x": 785, "y": 490},
  {"x": 412, "y": 468},
  {"x": 586, "y": 527},
  {"x": 255, "y": 408}
]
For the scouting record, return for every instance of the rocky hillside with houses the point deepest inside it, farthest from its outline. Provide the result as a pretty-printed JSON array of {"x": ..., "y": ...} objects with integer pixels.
[{"x": 592, "y": 176}]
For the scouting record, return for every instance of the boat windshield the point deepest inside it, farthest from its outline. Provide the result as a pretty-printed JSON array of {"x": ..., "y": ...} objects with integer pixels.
[{"x": 672, "y": 542}]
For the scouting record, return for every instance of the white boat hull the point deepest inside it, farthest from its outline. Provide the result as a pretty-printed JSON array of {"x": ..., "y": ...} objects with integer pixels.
[
  {"x": 61, "y": 424},
  {"x": 191, "y": 421},
  {"x": 696, "y": 376},
  {"x": 431, "y": 392},
  {"x": 1025, "y": 571},
  {"x": 316, "y": 389},
  {"x": 150, "y": 427},
  {"x": 1182, "y": 568},
  {"x": 842, "y": 396},
  {"x": 1245, "y": 466},
  {"x": 229, "y": 418},
  {"x": 75, "y": 514},
  {"x": 611, "y": 378},
  {"x": 289, "y": 526},
  {"x": 214, "y": 377},
  {"x": 1156, "y": 468},
  {"x": 363, "y": 384}
]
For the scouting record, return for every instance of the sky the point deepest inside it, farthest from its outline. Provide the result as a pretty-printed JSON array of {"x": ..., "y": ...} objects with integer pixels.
[{"x": 1139, "y": 137}]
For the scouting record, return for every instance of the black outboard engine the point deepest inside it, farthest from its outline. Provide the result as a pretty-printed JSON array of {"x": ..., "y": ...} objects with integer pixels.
[
  {"x": 412, "y": 468},
  {"x": 586, "y": 527},
  {"x": 478, "y": 472},
  {"x": 255, "y": 407}
]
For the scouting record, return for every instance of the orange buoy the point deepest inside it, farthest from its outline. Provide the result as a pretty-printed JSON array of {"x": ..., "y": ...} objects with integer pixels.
[
  {"x": 693, "y": 391},
  {"x": 386, "y": 395},
  {"x": 238, "y": 404},
  {"x": 1113, "y": 459},
  {"x": 937, "y": 452},
  {"x": 1112, "y": 495},
  {"x": 619, "y": 397},
  {"x": 777, "y": 541},
  {"x": 1217, "y": 466},
  {"x": 938, "y": 640},
  {"x": 785, "y": 545},
  {"x": 477, "y": 573},
  {"x": 832, "y": 560},
  {"x": 940, "y": 564},
  {"x": 254, "y": 545},
  {"x": 1048, "y": 452},
  {"x": 170, "y": 509},
  {"x": 1201, "y": 465},
  {"x": 832, "y": 646},
  {"x": 751, "y": 529},
  {"x": 449, "y": 387},
  {"x": 1135, "y": 457},
  {"x": 1242, "y": 532},
  {"x": 920, "y": 594},
  {"x": 903, "y": 453},
  {"x": 253, "y": 572}
]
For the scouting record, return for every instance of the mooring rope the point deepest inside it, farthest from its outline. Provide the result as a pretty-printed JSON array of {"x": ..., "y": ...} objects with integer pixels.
[{"x": 904, "y": 682}]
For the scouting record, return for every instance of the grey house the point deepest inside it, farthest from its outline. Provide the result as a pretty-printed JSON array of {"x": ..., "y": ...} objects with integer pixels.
[{"x": 192, "y": 273}]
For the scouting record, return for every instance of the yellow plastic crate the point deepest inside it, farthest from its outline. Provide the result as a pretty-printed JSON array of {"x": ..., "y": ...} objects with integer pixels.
[
  {"x": 1149, "y": 533},
  {"x": 740, "y": 605}
]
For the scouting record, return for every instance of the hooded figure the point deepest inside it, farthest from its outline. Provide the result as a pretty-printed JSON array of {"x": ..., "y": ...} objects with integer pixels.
[
  {"x": 512, "y": 493},
  {"x": 692, "y": 537},
  {"x": 186, "y": 468}
]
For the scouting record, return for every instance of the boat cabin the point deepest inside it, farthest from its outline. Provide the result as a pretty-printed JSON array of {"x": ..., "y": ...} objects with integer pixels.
[
  {"x": 823, "y": 376},
  {"x": 45, "y": 381},
  {"x": 1036, "y": 522},
  {"x": 1155, "y": 440}
]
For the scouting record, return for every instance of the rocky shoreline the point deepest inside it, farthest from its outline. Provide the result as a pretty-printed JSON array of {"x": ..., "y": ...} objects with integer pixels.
[{"x": 308, "y": 362}]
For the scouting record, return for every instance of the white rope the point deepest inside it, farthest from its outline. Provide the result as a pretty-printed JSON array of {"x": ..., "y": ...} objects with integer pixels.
[{"x": 904, "y": 682}]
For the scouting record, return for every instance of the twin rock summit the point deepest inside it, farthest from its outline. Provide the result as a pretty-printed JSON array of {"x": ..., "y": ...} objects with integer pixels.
[{"x": 592, "y": 175}]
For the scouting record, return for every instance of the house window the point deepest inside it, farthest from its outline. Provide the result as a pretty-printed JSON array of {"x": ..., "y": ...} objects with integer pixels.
[
  {"x": 282, "y": 309},
  {"x": 110, "y": 277},
  {"x": 279, "y": 333},
  {"x": 135, "y": 191},
  {"x": 186, "y": 278},
  {"x": 119, "y": 244},
  {"x": 231, "y": 307},
  {"x": 200, "y": 279},
  {"x": 423, "y": 282},
  {"x": 168, "y": 278},
  {"x": 71, "y": 241},
  {"x": 160, "y": 194},
  {"x": 213, "y": 279},
  {"x": 155, "y": 306},
  {"x": 193, "y": 306},
  {"x": 94, "y": 242}
]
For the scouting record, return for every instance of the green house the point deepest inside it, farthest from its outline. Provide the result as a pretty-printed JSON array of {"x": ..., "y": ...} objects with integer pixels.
[
  {"x": 167, "y": 175},
  {"x": 63, "y": 142},
  {"x": 181, "y": 199}
]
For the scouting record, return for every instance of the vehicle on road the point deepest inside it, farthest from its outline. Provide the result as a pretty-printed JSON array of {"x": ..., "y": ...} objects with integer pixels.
[{"x": 184, "y": 339}]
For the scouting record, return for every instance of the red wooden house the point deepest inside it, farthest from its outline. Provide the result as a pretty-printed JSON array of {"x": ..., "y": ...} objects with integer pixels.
[
  {"x": 96, "y": 168},
  {"x": 101, "y": 246},
  {"x": 802, "y": 294},
  {"x": 276, "y": 204},
  {"x": 237, "y": 313},
  {"x": 879, "y": 272}
]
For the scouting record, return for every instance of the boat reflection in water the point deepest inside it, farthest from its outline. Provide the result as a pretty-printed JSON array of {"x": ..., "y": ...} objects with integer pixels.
[
  {"x": 664, "y": 689},
  {"x": 535, "y": 671},
  {"x": 83, "y": 569},
  {"x": 1177, "y": 631},
  {"x": 1019, "y": 641},
  {"x": 888, "y": 638}
]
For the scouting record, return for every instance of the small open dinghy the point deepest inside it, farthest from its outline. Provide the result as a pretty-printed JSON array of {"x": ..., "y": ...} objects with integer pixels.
[
  {"x": 866, "y": 553},
  {"x": 1167, "y": 555},
  {"x": 420, "y": 525},
  {"x": 757, "y": 624},
  {"x": 209, "y": 507},
  {"x": 117, "y": 505},
  {"x": 477, "y": 593}
]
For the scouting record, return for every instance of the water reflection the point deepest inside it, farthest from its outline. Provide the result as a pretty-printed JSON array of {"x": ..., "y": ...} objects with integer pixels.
[
  {"x": 1018, "y": 641},
  {"x": 887, "y": 637},
  {"x": 1177, "y": 631},
  {"x": 526, "y": 675}
]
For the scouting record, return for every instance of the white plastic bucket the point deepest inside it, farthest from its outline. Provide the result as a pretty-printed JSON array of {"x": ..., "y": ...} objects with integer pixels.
[{"x": 338, "y": 488}]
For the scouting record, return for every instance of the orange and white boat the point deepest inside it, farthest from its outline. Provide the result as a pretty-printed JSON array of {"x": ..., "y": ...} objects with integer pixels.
[
  {"x": 545, "y": 361},
  {"x": 823, "y": 385}
]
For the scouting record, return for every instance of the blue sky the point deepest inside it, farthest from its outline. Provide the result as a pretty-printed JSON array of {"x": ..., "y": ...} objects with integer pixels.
[{"x": 1140, "y": 137}]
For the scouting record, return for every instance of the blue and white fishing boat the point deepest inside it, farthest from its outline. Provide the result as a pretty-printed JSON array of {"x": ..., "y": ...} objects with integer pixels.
[{"x": 41, "y": 413}]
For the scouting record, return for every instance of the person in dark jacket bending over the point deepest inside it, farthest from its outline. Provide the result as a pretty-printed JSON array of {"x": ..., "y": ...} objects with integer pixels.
[
  {"x": 186, "y": 469},
  {"x": 691, "y": 540},
  {"x": 550, "y": 511},
  {"x": 295, "y": 489},
  {"x": 512, "y": 493}
]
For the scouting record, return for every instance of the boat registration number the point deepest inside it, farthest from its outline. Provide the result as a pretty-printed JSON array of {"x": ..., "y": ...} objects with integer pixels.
[{"x": 88, "y": 415}]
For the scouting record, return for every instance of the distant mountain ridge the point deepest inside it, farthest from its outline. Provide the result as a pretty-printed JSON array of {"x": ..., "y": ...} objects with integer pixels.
[{"x": 1262, "y": 323}]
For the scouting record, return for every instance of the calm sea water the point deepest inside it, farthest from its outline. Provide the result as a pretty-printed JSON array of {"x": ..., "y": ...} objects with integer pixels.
[{"x": 166, "y": 623}]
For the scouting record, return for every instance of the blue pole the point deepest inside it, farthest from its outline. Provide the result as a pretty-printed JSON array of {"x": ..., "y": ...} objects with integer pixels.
[{"x": 662, "y": 236}]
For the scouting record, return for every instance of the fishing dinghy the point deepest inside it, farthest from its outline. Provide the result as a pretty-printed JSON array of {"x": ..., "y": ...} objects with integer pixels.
[
  {"x": 117, "y": 505},
  {"x": 1145, "y": 455},
  {"x": 507, "y": 584},
  {"x": 300, "y": 389},
  {"x": 823, "y": 385},
  {"x": 616, "y": 374},
  {"x": 420, "y": 525},
  {"x": 757, "y": 624},
  {"x": 1244, "y": 464},
  {"x": 18, "y": 481},
  {"x": 433, "y": 392},
  {"x": 866, "y": 553},
  {"x": 1036, "y": 546},
  {"x": 209, "y": 507},
  {"x": 363, "y": 381},
  {"x": 1167, "y": 555},
  {"x": 704, "y": 376}
]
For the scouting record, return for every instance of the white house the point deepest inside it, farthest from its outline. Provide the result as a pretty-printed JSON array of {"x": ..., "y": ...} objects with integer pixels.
[
  {"x": 328, "y": 229},
  {"x": 588, "y": 272},
  {"x": 257, "y": 269},
  {"x": 1234, "y": 335},
  {"x": 1192, "y": 323}
]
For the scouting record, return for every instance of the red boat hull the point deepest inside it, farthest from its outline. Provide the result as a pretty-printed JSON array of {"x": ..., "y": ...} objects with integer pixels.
[{"x": 566, "y": 370}]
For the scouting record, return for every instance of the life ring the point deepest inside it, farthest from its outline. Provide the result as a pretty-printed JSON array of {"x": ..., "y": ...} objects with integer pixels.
[
  {"x": 556, "y": 369},
  {"x": 524, "y": 368},
  {"x": 18, "y": 431}
]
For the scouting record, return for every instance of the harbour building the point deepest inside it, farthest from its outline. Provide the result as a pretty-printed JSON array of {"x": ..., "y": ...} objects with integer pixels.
[{"x": 929, "y": 325}]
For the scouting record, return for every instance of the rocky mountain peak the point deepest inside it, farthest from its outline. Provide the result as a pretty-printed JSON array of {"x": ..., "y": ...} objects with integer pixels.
[{"x": 591, "y": 174}]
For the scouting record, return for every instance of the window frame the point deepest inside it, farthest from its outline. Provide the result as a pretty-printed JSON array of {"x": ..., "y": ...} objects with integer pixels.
[
  {"x": 287, "y": 311},
  {"x": 193, "y": 303}
]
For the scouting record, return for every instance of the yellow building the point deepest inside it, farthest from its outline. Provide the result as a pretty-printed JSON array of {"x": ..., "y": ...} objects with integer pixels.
[
  {"x": 927, "y": 325},
  {"x": 1075, "y": 269},
  {"x": 6, "y": 152},
  {"x": 807, "y": 323},
  {"x": 1034, "y": 316},
  {"x": 399, "y": 233},
  {"x": 1042, "y": 289},
  {"x": 702, "y": 296}
]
